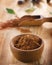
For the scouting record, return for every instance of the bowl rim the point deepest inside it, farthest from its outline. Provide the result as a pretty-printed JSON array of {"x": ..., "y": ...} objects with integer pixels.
[{"x": 42, "y": 45}]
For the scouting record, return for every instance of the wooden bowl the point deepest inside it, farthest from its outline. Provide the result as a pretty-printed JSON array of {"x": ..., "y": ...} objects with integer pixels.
[{"x": 26, "y": 55}]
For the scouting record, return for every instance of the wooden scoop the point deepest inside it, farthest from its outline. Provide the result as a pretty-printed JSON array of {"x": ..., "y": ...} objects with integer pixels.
[
  {"x": 33, "y": 20},
  {"x": 26, "y": 20}
]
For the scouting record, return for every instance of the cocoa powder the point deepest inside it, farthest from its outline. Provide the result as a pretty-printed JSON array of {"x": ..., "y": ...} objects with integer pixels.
[
  {"x": 23, "y": 30},
  {"x": 27, "y": 42}
]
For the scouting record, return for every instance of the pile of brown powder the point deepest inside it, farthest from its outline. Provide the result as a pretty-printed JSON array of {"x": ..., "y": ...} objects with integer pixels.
[{"x": 27, "y": 42}]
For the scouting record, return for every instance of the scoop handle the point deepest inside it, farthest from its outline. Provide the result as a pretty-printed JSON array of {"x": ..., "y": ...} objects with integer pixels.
[{"x": 48, "y": 19}]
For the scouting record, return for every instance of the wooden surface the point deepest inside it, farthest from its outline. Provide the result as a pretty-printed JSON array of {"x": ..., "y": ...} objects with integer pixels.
[{"x": 6, "y": 56}]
